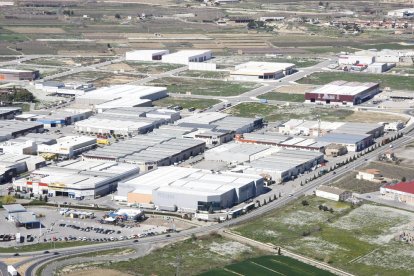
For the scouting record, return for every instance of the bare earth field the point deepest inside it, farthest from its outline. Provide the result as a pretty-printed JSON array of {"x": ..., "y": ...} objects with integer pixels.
[
  {"x": 36, "y": 30},
  {"x": 97, "y": 272}
]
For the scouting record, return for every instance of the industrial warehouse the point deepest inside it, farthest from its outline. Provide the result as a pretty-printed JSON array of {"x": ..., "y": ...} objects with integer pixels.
[
  {"x": 127, "y": 121},
  {"x": 12, "y": 129},
  {"x": 343, "y": 93},
  {"x": 187, "y": 189},
  {"x": 255, "y": 71},
  {"x": 149, "y": 151},
  {"x": 181, "y": 57},
  {"x": 67, "y": 147},
  {"x": 354, "y": 136},
  {"x": 15, "y": 75},
  {"x": 221, "y": 121},
  {"x": 119, "y": 96},
  {"x": 76, "y": 179},
  {"x": 55, "y": 119}
]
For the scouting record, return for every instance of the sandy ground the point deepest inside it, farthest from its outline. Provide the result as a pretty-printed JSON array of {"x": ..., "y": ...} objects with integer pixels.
[
  {"x": 295, "y": 89},
  {"x": 374, "y": 117},
  {"x": 96, "y": 272}
]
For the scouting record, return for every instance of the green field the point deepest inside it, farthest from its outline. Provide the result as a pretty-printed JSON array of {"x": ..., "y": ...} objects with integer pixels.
[
  {"x": 357, "y": 239},
  {"x": 269, "y": 265},
  {"x": 394, "y": 82},
  {"x": 204, "y": 87},
  {"x": 276, "y": 96},
  {"x": 186, "y": 102},
  {"x": 281, "y": 112},
  {"x": 194, "y": 256}
]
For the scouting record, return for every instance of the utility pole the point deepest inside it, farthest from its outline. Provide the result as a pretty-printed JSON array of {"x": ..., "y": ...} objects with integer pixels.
[{"x": 178, "y": 264}]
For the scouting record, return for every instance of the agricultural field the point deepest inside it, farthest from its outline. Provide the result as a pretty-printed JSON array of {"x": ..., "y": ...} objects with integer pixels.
[
  {"x": 205, "y": 74},
  {"x": 204, "y": 87},
  {"x": 185, "y": 102},
  {"x": 192, "y": 253},
  {"x": 357, "y": 239},
  {"x": 300, "y": 111},
  {"x": 268, "y": 265},
  {"x": 385, "y": 80}
]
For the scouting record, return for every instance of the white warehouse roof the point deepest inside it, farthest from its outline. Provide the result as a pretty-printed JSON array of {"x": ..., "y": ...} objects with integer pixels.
[
  {"x": 255, "y": 68},
  {"x": 344, "y": 88}
]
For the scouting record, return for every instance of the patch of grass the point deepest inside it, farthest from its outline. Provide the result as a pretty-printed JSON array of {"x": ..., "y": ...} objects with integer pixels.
[
  {"x": 13, "y": 37},
  {"x": 275, "y": 96},
  {"x": 186, "y": 102},
  {"x": 381, "y": 46},
  {"x": 152, "y": 67},
  {"x": 192, "y": 257},
  {"x": 278, "y": 112},
  {"x": 115, "y": 251},
  {"x": 269, "y": 265},
  {"x": 205, "y": 74},
  {"x": 42, "y": 246},
  {"x": 344, "y": 238},
  {"x": 350, "y": 183},
  {"x": 394, "y": 82},
  {"x": 204, "y": 87}
]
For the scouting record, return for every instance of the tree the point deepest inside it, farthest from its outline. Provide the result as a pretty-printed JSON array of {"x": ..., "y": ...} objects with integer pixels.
[
  {"x": 320, "y": 207},
  {"x": 331, "y": 210},
  {"x": 117, "y": 16},
  {"x": 280, "y": 194},
  {"x": 279, "y": 252},
  {"x": 40, "y": 197},
  {"x": 305, "y": 203},
  {"x": 193, "y": 237},
  {"x": 8, "y": 199},
  {"x": 109, "y": 46},
  {"x": 45, "y": 199},
  {"x": 403, "y": 179},
  {"x": 264, "y": 202}
]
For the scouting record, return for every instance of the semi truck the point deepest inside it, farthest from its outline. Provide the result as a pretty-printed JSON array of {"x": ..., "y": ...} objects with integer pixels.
[{"x": 12, "y": 271}]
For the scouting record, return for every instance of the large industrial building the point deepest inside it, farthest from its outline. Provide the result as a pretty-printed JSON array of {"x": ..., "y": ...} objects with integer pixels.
[
  {"x": 352, "y": 142},
  {"x": 12, "y": 129},
  {"x": 221, "y": 121},
  {"x": 188, "y": 189},
  {"x": 13, "y": 75},
  {"x": 187, "y": 56},
  {"x": 259, "y": 71},
  {"x": 58, "y": 118},
  {"x": 402, "y": 13},
  {"x": 343, "y": 93},
  {"x": 9, "y": 112},
  {"x": 119, "y": 96},
  {"x": 127, "y": 121},
  {"x": 149, "y": 151},
  {"x": 76, "y": 179},
  {"x": 284, "y": 165},
  {"x": 281, "y": 141},
  {"x": 401, "y": 192},
  {"x": 12, "y": 165},
  {"x": 145, "y": 55},
  {"x": 65, "y": 89},
  {"x": 353, "y": 59},
  {"x": 27, "y": 144},
  {"x": 238, "y": 153},
  {"x": 68, "y": 146}
]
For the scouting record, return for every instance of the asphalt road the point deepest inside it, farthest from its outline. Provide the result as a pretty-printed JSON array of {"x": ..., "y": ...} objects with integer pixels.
[{"x": 43, "y": 258}]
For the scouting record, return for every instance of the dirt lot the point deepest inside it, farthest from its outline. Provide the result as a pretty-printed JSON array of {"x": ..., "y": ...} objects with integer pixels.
[
  {"x": 36, "y": 30},
  {"x": 406, "y": 155},
  {"x": 295, "y": 89}
]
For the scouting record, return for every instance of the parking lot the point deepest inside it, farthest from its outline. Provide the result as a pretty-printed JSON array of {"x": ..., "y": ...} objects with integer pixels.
[{"x": 56, "y": 227}]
